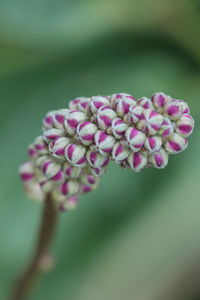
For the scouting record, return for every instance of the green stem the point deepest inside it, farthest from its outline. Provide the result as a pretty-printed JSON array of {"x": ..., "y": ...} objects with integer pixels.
[{"x": 40, "y": 256}]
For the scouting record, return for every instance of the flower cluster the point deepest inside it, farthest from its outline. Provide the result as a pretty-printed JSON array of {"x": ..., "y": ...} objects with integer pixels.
[{"x": 77, "y": 143}]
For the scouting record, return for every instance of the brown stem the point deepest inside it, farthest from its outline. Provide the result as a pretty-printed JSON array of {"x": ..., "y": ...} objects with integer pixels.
[{"x": 37, "y": 263}]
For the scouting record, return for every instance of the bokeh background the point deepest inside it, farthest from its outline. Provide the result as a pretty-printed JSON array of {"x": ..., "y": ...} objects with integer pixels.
[{"x": 137, "y": 236}]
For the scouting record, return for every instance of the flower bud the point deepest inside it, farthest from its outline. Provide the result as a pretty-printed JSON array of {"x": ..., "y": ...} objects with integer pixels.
[
  {"x": 145, "y": 102},
  {"x": 57, "y": 147},
  {"x": 69, "y": 204},
  {"x": 86, "y": 131},
  {"x": 46, "y": 186},
  {"x": 114, "y": 98},
  {"x": 159, "y": 159},
  {"x": 153, "y": 143},
  {"x": 73, "y": 104},
  {"x": 105, "y": 115},
  {"x": 135, "y": 138},
  {"x": 70, "y": 171},
  {"x": 48, "y": 120},
  {"x": 97, "y": 102},
  {"x": 75, "y": 155},
  {"x": 104, "y": 142},
  {"x": 89, "y": 179},
  {"x": 52, "y": 134},
  {"x": 184, "y": 105},
  {"x": 69, "y": 187},
  {"x": 123, "y": 103},
  {"x": 118, "y": 128},
  {"x": 34, "y": 191},
  {"x": 174, "y": 109},
  {"x": 160, "y": 100},
  {"x": 166, "y": 129},
  {"x": 84, "y": 105},
  {"x": 59, "y": 118},
  {"x": 32, "y": 152},
  {"x": 96, "y": 160},
  {"x": 185, "y": 125},
  {"x": 72, "y": 119},
  {"x": 26, "y": 171},
  {"x": 176, "y": 144},
  {"x": 120, "y": 152},
  {"x": 151, "y": 122},
  {"x": 50, "y": 168},
  {"x": 137, "y": 160},
  {"x": 135, "y": 114},
  {"x": 40, "y": 145}
]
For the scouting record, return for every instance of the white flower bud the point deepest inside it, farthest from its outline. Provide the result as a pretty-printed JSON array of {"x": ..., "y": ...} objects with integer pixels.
[
  {"x": 153, "y": 143},
  {"x": 86, "y": 131},
  {"x": 159, "y": 159},
  {"x": 176, "y": 144},
  {"x": 135, "y": 138},
  {"x": 137, "y": 160},
  {"x": 120, "y": 152},
  {"x": 75, "y": 155}
]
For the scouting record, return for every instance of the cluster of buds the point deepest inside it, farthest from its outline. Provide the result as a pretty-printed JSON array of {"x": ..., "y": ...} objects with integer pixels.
[{"x": 77, "y": 143}]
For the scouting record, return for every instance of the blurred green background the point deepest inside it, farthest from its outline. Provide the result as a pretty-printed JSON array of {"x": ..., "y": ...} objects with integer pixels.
[{"x": 137, "y": 236}]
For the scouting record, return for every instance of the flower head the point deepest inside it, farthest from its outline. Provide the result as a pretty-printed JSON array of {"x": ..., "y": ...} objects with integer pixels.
[{"x": 77, "y": 143}]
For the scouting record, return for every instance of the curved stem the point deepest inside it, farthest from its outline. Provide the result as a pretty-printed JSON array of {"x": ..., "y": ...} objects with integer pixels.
[{"x": 37, "y": 263}]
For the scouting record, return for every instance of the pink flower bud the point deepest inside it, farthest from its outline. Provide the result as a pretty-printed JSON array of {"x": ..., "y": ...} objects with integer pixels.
[
  {"x": 185, "y": 125},
  {"x": 176, "y": 144},
  {"x": 174, "y": 109},
  {"x": 73, "y": 104},
  {"x": 96, "y": 160},
  {"x": 120, "y": 152},
  {"x": 84, "y": 105},
  {"x": 118, "y": 128},
  {"x": 135, "y": 114},
  {"x": 151, "y": 122},
  {"x": 123, "y": 103},
  {"x": 105, "y": 115},
  {"x": 128, "y": 99},
  {"x": 146, "y": 103},
  {"x": 26, "y": 171},
  {"x": 48, "y": 120},
  {"x": 86, "y": 131},
  {"x": 57, "y": 147},
  {"x": 69, "y": 204},
  {"x": 159, "y": 159},
  {"x": 160, "y": 100},
  {"x": 40, "y": 145},
  {"x": 103, "y": 142},
  {"x": 184, "y": 105},
  {"x": 50, "y": 168},
  {"x": 70, "y": 171},
  {"x": 52, "y": 134},
  {"x": 137, "y": 161},
  {"x": 32, "y": 152},
  {"x": 46, "y": 186},
  {"x": 97, "y": 102},
  {"x": 59, "y": 118},
  {"x": 153, "y": 143},
  {"x": 135, "y": 138},
  {"x": 72, "y": 119},
  {"x": 89, "y": 179},
  {"x": 166, "y": 129},
  {"x": 75, "y": 155},
  {"x": 69, "y": 188}
]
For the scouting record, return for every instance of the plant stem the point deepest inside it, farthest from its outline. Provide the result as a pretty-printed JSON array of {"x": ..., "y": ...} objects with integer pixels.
[{"x": 37, "y": 263}]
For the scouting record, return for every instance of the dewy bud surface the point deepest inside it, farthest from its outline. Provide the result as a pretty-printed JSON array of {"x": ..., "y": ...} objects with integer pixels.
[{"x": 78, "y": 142}]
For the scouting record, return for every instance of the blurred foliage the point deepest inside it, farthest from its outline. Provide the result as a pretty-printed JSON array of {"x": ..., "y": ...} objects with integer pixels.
[{"x": 138, "y": 233}]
